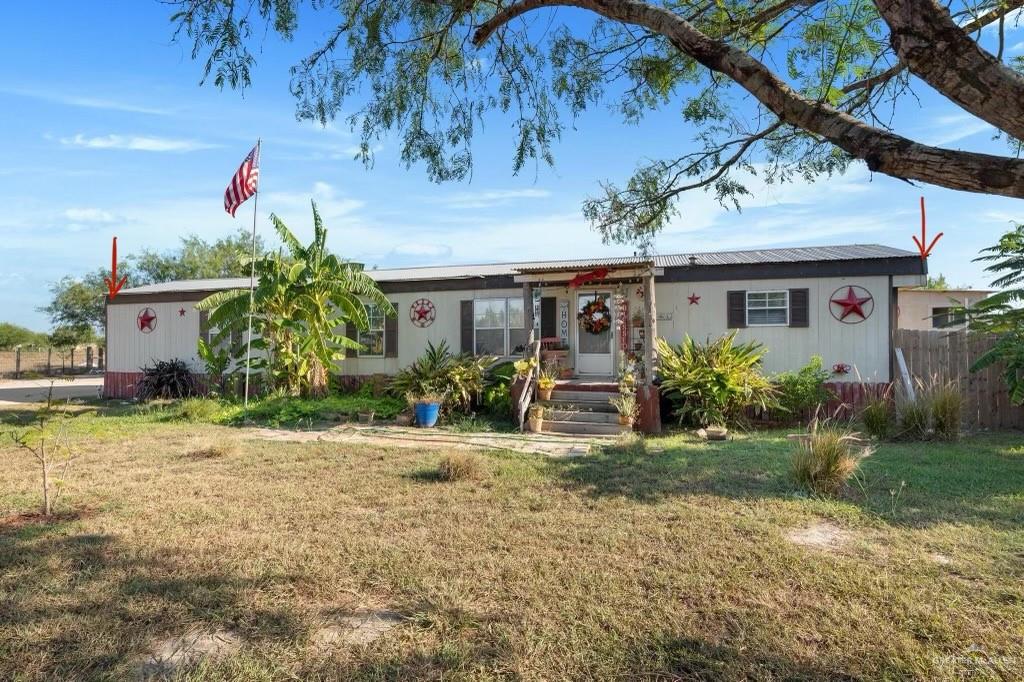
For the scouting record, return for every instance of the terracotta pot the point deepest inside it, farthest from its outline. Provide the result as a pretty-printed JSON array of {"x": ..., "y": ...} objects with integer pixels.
[
  {"x": 545, "y": 393},
  {"x": 625, "y": 420},
  {"x": 535, "y": 423}
]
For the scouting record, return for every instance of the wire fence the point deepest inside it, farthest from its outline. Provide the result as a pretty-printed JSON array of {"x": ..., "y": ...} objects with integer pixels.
[{"x": 26, "y": 363}]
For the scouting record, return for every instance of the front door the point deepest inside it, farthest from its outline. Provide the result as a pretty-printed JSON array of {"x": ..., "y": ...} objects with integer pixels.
[{"x": 594, "y": 351}]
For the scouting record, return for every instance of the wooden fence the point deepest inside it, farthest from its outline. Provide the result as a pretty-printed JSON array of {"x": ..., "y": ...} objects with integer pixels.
[
  {"x": 24, "y": 362},
  {"x": 949, "y": 355}
]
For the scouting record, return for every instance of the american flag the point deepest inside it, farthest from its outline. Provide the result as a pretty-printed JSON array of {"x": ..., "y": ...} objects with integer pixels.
[{"x": 243, "y": 184}]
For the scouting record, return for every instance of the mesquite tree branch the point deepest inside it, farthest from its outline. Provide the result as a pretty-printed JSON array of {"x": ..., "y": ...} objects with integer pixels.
[{"x": 883, "y": 151}]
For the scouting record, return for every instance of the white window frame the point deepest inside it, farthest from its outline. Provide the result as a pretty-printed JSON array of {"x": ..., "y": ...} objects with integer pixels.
[
  {"x": 766, "y": 293},
  {"x": 383, "y": 334},
  {"x": 506, "y": 336}
]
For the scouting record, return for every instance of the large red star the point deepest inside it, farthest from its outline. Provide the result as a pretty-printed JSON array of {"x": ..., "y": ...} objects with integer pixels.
[
  {"x": 694, "y": 299},
  {"x": 146, "y": 319},
  {"x": 851, "y": 304}
]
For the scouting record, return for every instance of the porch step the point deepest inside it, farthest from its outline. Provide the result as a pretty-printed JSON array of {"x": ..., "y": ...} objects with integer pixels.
[
  {"x": 578, "y": 405},
  {"x": 584, "y": 428},
  {"x": 582, "y": 416},
  {"x": 560, "y": 395}
]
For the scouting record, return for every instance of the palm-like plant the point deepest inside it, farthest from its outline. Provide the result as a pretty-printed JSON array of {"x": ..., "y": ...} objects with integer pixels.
[
  {"x": 714, "y": 382},
  {"x": 300, "y": 307}
]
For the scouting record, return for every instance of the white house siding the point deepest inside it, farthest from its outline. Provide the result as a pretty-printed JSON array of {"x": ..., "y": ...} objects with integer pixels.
[
  {"x": 864, "y": 345},
  {"x": 412, "y": 340},
  {"x": 175, "y": 335}
]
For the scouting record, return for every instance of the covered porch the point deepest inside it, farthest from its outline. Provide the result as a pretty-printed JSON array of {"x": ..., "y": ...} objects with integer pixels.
[{"x": 590, "y": 321}]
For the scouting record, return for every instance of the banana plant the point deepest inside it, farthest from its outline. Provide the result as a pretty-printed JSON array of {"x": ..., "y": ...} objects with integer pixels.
[{"x": 301, "y": 305}]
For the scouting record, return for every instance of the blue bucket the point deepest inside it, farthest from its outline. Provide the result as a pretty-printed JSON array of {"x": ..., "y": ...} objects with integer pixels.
[{"x": 426, "y": 414}]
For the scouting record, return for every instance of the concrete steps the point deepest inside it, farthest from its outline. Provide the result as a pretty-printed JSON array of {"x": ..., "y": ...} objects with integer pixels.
[{"x": 578, "y": 428}]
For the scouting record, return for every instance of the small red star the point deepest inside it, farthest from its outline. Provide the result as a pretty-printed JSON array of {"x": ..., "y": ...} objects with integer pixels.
[
  {"x": 181, "y": 312},
  {"x": 694, "y": 299},
  {"x": 422, "y": 313},
  {"x": 851, "y": 304},
  {"x": 146, "y": 319}
]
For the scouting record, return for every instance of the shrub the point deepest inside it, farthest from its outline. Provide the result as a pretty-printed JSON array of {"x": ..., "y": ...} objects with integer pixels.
[
  {"x": 460, "y": 378},
  {"x": 198, "y": 410},
  {"x": 715, "y": 382},
  {"x": 826, "y": 458},
  {"x": 166, "y": 379},
  {"x": 461, "y": 467},
  {"x": 877, "y": 417},
  {"x": 946, "y": 404},
  {"x": 800, "y": 392},
  {"x": 913, "y": 417},
  {"x": 497, "y": 393}
]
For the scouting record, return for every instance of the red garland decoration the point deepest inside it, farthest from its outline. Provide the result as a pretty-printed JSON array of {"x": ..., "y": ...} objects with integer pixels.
[{"x": 595, "y": 317}]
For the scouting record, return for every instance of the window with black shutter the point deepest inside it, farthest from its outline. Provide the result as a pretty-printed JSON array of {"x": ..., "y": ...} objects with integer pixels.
[
  {"x": 799, "y": 308},
  {"x": 736, "y": 309}
]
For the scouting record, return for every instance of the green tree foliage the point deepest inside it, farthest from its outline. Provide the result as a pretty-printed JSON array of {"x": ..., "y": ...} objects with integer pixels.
[
  {"x": 460, "y": 378},
  {"x": 770, "y": 88},
  {"x": 938, "y": 282},
  {"x": 303, "y": 297},
  {"x": 80, "y": 301},
  {"x": 12, "y": 335},
  {"x": 1002, "y": 313},
  {"x": 70, "y": 336},
  {"x": 196, "y": 258},
  {"x": 713, "y": 383}
]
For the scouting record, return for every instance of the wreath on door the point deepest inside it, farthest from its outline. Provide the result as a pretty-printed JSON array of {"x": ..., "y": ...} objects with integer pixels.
[{"x": 595, "y": 317}]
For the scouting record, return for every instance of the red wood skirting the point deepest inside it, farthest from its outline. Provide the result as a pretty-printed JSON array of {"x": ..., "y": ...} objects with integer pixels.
[{"x": 120, "y": 384}]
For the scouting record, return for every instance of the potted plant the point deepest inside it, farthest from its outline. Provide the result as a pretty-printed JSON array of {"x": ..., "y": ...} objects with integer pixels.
[
  {"x": 536, "y": 418},
  {"x": 546, "y": 383},
  {"x": 627, "y": 407},
  {"x": 427, "y": 407}
]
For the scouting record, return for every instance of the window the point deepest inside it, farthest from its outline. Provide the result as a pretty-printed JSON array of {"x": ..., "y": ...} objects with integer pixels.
[
  {"x": 767, "y": 308},
  {"x": 498, "y": 326},
  {"x": 373, "y": 337},
  {"x": 947, "y": 316}
]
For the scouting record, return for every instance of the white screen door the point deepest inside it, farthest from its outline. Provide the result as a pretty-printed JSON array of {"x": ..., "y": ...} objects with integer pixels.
[{"x": 594, "y": 351}]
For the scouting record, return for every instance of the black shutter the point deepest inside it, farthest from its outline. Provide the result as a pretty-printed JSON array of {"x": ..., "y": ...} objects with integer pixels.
[
  {"x": 548, "y": 317},
  {"x": 466, "y": 326},
  {"x": 351, "y": 332},
  {"x": 736, "y": 309},
  {"x": 391, "y": 334},
  {"x": 799, "y": 308},
  {"x": 204, "y": 325}
]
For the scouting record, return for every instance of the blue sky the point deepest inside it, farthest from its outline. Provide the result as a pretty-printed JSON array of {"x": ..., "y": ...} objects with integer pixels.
[{"x": 105, "y": 131}]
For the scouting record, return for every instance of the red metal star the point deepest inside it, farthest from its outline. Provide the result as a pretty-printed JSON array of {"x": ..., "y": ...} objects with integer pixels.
[
  {"x": 181, "y": 312},
  {"x": 694, "y": 299},
  {"x": 851, "y": 304},
  {"x": 422, "y": 313},
  {"x": 146, "y": 319}
]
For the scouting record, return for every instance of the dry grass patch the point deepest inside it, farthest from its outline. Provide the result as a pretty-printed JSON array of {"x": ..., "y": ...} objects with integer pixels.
[
  {"x": 669, "y": 563},
  {"x": 462, "y": 466},
  {"x": 217, "y": 449}
]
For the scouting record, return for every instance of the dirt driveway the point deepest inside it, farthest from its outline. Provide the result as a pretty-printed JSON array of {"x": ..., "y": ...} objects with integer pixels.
[{"x": 34, "y": 390}]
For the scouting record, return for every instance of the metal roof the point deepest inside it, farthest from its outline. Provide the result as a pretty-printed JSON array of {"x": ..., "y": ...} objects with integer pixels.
[{"x": 804, "y": 254}]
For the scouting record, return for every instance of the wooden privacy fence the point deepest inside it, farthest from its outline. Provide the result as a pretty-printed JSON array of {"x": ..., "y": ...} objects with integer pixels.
[
  {"x": 22, "y": 362},
  {"x": 949, "y": 355}
]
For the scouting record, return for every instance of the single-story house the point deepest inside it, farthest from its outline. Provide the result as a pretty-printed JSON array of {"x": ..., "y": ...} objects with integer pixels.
[
  {"x": 922, "y": 308},
  {"x": 838, "y": 302}
]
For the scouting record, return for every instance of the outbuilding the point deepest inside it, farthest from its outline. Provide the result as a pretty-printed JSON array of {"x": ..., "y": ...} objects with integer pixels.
[{"x": 837, "y": 302}]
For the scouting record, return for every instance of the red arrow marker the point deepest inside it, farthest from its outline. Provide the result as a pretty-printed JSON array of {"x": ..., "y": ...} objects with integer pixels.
[
  {"x": 925, "y": 252},
  {"x": 113, "y": 285}
]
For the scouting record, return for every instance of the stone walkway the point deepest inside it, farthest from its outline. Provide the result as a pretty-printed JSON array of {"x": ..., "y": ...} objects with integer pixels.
[{"x": 411, "y": 437}]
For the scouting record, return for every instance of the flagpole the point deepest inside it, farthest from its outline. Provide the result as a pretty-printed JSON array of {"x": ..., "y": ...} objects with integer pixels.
[{"x": 252, "y": 288}]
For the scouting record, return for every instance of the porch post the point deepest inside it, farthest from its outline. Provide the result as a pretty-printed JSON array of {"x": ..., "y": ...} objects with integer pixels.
[
  {"x": 528, "y": 314},
  {"x": 650, "y": 407}
]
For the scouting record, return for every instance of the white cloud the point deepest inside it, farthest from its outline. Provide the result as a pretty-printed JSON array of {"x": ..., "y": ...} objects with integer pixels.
[
  {"x": 489, "y": 198},
  {"x": 946, "y": 129},
  {"x": 135, "y": 143},
  {"x": 423, "y": 250},
  {"x": 89, "y": 215},
  {"x": 86, "y": 102}
]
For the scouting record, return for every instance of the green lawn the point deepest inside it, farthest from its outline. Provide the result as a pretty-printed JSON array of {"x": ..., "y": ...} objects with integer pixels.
[{"x": 670, "y": 562}]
